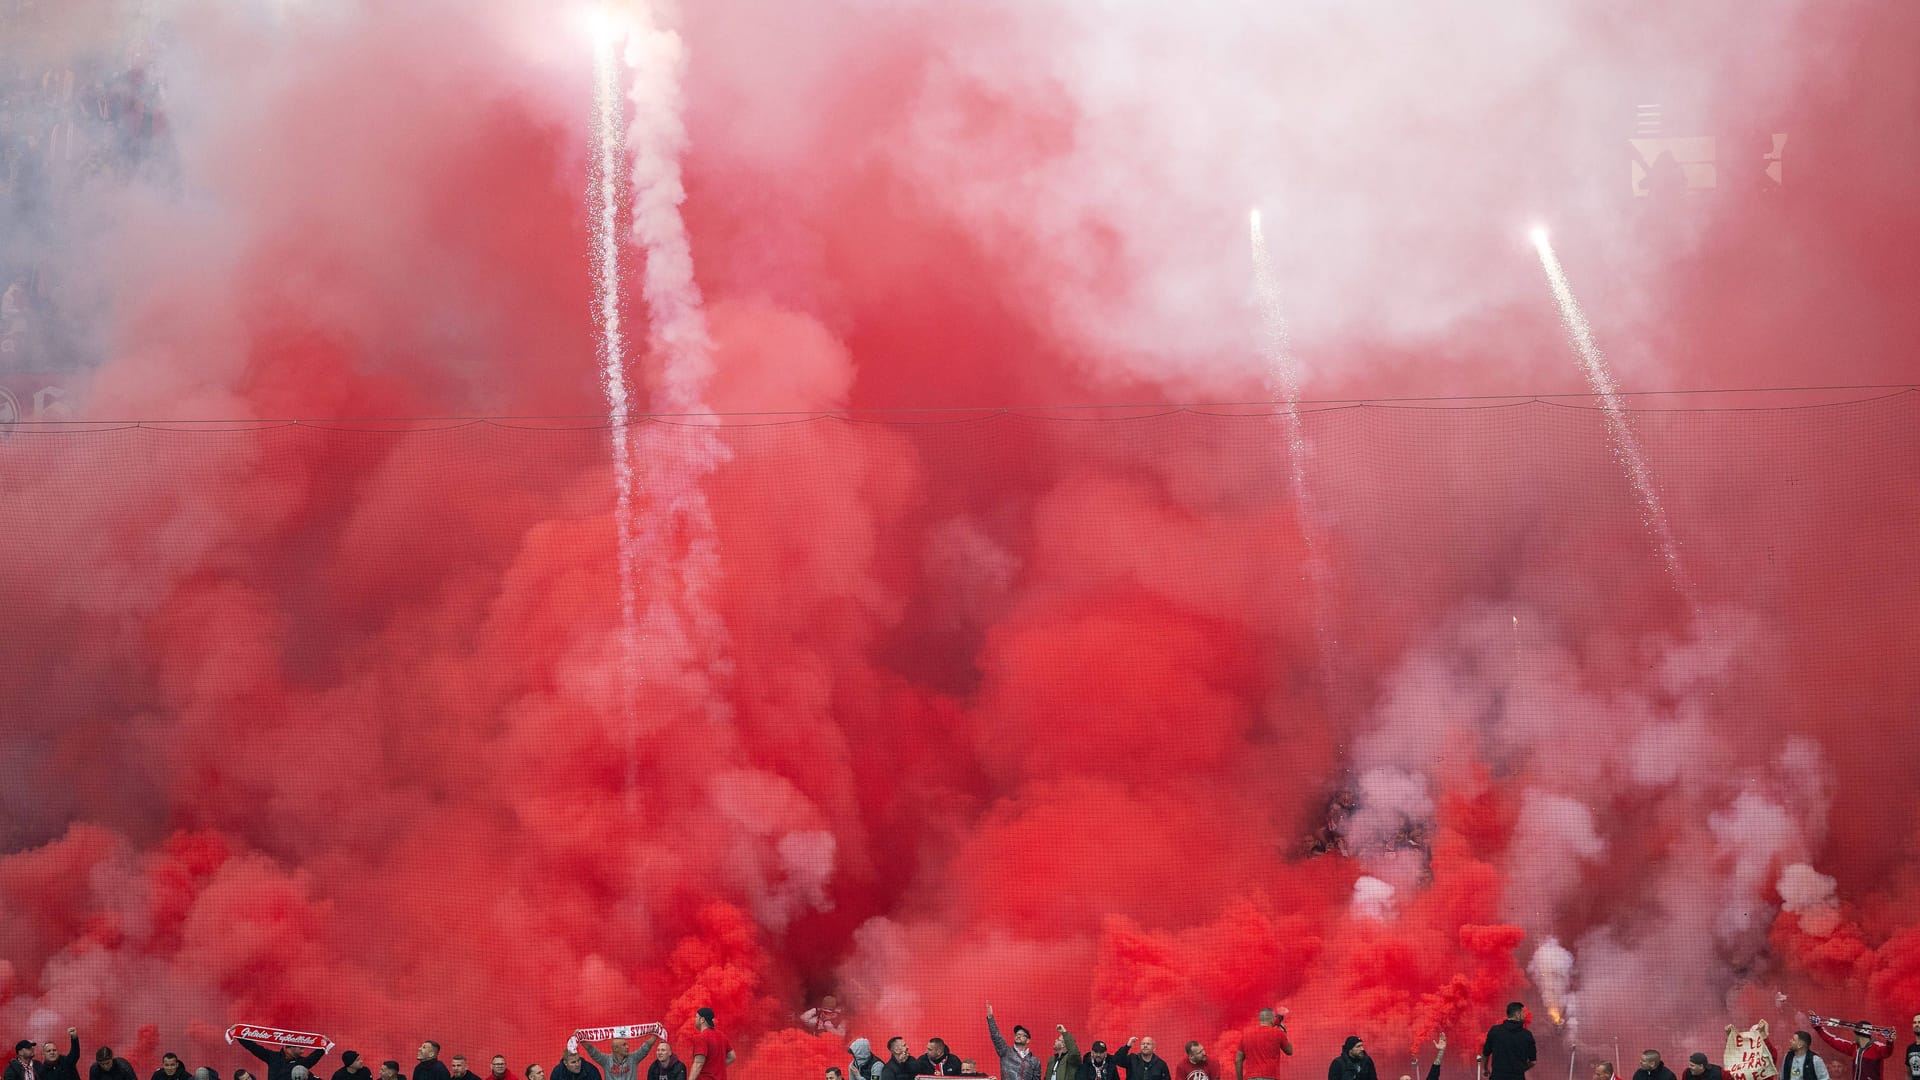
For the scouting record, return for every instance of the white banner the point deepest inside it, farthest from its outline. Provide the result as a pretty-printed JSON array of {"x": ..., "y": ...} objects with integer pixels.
[{"x": 1748, "y": 1057}]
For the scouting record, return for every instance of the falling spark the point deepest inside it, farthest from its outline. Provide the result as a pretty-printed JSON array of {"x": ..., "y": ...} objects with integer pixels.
[
  {"x": 1621, "y": 442},
  {"x": 605, "y": 181},
  {"x": 1283, "y": 387}
]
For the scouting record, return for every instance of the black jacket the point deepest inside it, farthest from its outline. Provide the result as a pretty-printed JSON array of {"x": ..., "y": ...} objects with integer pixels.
[
  {"x": 182, "y": 1073},
  {"x": 674, "y": 1069},
  {"x": 1661, "y": 1073},
  {"x": 946, "y": 1066},
  {"x": 900, "y": 1070},
  {"x": 348, "y": 1072},
  {"x": 279, "y": 1065},
  {"x": 435, "y": 1069},
  {"x": 64, "y": 1067},
  {"x": 1709, "y": 1071},
  {"x": 588, "y": 1071},
  {"x": 1107, "y": 1070},
  {"x": 16, "y": 1070},
  {"x": 1345, "y": 1068},
  {"x": 119, "y": 1070},
  {"x": 1510, "y": 1051},
  {"x": 1139, "y": 1068}
]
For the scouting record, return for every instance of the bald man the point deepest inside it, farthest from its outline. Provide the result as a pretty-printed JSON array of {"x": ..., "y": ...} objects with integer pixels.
[{"x": 1262, "y": 1048}]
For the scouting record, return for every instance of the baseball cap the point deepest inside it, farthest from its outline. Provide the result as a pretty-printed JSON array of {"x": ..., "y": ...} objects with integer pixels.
[{"x": 1697, "y": 1058}]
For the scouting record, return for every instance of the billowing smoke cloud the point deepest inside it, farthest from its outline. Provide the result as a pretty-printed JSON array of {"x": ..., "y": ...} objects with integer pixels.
[
  {"x": 322, "y": 724},
  {"x": 1811, "y": 895},
  {"x": 1551, "y": 970}
]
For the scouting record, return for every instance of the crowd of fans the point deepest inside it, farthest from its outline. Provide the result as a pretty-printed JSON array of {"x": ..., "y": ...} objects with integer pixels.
[
  {"x": 709, "y": 1055},
  {"x": 71, "y": 117},
  {"x": 1509, "y": 1052}
]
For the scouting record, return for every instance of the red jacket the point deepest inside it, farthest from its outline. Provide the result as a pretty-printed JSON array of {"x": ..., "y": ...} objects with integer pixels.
[{"x": 1867, "y": 1060}]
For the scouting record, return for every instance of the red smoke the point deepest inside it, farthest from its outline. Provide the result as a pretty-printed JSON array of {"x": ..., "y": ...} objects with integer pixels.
[{"x": 317, "y": 725}]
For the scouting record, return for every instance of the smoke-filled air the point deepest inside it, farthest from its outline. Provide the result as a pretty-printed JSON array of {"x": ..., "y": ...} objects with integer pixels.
[{"x": 531, "y": 515}]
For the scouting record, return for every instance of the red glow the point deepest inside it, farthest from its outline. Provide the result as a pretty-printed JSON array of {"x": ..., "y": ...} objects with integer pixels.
[{"x": 314, "y": 728}]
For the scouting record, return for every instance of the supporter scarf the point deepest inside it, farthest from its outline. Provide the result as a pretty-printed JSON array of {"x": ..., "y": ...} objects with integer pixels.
[
  {"x": 299, "y": 1040},
  {"x": 624, "y": 1031}
]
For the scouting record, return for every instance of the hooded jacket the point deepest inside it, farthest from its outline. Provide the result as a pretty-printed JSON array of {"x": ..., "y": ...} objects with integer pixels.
[
  {"x": 119, "y": 1070},
  {"x": 1345, "y": 1067},
  {"x": 864, "y": 1065},
  {"x": 435, "y": 1069},
  {"x": 1510, "y": 1050},
  {"x": 279, "y": 1065}
]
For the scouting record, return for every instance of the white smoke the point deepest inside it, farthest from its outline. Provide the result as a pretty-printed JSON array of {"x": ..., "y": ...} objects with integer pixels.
[
  {"x": 680, "y": 617},
  {"x": 964, "y": 562},
  {"x": 1504, "y": 688},
  {"x": 1753, "y": 835},
  {"x": 1392, "y": 805},
  {"x": 1805, "y": 785},
  {"x": 1372, "y": 899},
  {"x": 657, "y": 137},
  {"x": 1551, "y": 969},
  {"x": 783, "y": 849},
  {"x": 1812, "y": 896},
  {"x": 1555, "y": 842}
]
